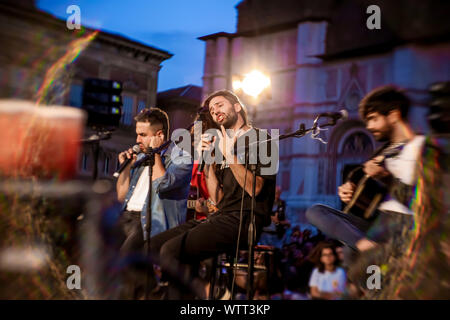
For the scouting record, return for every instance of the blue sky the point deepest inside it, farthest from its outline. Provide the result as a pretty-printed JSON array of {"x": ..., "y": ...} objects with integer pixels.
[{"x": 171, "y": 25}]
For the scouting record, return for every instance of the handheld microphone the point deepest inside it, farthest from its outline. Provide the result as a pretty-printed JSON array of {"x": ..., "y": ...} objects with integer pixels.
[
  {"x": 136, "y": 150},
  {"x": 202, "y": 164},
  {"x": 343, "y": 114}
]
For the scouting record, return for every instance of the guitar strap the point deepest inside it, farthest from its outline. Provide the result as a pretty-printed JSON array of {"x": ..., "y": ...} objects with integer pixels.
[{"x": 379, "y": 150}]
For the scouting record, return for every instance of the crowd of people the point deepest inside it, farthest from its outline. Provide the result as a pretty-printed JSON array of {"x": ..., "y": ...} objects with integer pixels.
[
  {"x": 299, "y": 265},
  {"x": 295, "y": 253}
]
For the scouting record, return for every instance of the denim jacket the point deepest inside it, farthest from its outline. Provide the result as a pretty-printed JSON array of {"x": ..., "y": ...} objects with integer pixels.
[{"x": 171, "y": 191}]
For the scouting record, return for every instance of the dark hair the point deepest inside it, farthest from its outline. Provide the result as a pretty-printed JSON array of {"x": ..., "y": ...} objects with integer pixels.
[
  {"x": 154, "y": 116},
  {"x": 316, "y": 254},
  {"x": 383, "y": 100},
  {"x": 232, "y": 98},
  {"x": 207, "y": 122}
]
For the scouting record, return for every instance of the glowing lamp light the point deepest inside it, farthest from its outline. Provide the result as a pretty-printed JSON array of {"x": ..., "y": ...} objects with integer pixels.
[
  {"x": 254, "y": 83},
  {"x": 237, "y": 85}
]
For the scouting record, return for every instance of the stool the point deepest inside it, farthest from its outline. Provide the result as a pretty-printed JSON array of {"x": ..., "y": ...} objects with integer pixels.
[{"x": 224, "y": 262}]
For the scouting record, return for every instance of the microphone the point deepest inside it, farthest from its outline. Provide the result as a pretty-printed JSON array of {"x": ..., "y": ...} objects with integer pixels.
[
  {"x": 136, "y": 150},
  {"x": 202, "y": 164},
  {"x": 343, "y": 114}
]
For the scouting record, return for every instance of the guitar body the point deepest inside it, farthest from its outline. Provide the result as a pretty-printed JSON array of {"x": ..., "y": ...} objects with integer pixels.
[
  {"x": 192, "y": 197},
  {"x": 370, "y": 192},
  {"x": 367, "y": 196}
]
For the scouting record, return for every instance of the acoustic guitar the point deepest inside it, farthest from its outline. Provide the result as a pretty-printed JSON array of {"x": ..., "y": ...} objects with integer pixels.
[{"x": 369, "y": 192}]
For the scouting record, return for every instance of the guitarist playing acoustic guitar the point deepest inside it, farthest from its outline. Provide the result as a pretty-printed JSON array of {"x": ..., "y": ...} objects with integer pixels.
[{"x": 385, "y": 112}]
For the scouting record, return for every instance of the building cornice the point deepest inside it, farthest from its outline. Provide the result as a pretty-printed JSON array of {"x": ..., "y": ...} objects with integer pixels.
[
  {"x": 43, "y": 18},
  {"x": 260, "y": 32}
]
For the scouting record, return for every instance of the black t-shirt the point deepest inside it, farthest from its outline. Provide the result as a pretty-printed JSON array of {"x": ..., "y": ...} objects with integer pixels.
[{"x": 231, "y": 200}]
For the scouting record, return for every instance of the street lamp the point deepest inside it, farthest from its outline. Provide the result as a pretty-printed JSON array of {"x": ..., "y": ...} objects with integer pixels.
[{"x": 252, "y": 84}]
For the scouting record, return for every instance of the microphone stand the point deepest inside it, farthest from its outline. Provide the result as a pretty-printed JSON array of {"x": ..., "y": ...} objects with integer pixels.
[
  {"x": 302, "y": 131},
  {"x": 94, "y": 140},
  {"x": 251, "y": 232},
  {"x": 149, "y": 160},
  {"x": 252, "y": 227}
]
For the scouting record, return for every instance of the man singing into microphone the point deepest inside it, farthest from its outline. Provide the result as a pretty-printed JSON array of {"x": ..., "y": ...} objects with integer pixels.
[
  {"x": 170, "y": 183},
  {"x": 182, "y": 247}
]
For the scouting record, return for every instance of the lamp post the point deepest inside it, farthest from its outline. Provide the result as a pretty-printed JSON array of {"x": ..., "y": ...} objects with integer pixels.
[{"x": 252, "y": 84}]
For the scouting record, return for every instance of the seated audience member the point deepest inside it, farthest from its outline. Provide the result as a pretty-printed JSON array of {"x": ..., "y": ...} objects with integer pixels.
[{"x": 327, "y": 280}]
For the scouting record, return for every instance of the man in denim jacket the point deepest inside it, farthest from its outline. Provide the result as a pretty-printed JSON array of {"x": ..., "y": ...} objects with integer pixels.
[{"x": 170, "y": 183}]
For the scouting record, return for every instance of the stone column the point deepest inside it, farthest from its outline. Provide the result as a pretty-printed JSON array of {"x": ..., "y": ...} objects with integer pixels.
[
  {"x": 152, "y": 86},
  {"x": 208, "y": 67},
  {"x": 311, "y": 38},
  {"x": 221, "y": 68}
]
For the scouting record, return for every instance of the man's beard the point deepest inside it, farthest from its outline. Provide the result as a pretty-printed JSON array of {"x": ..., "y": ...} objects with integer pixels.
[
  {"x": 230, "y": 122},
  {"x": 384, "y": 134}
]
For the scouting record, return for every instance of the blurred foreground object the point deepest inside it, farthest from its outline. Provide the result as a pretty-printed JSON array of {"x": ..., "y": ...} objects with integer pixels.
[
  {"x": 47, "y": 227},
  {"x": 39, "y": 141}
]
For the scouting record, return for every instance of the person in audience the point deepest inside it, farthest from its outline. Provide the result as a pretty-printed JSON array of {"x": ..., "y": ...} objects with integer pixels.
[{"x": 328, "y": 281}]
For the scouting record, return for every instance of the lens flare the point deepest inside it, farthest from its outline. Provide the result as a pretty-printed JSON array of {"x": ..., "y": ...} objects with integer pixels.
[{"x": 56, "y": 71}]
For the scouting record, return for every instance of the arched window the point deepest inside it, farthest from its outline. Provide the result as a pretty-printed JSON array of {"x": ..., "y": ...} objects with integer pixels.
[{"x": 354, "y": 150}]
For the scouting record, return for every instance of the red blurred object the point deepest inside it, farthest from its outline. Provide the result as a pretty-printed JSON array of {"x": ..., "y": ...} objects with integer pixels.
[{"x": 39, "y": 141}]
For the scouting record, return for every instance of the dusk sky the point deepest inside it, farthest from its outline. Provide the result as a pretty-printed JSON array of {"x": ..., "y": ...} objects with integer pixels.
[{"x": 171, "y": 25}]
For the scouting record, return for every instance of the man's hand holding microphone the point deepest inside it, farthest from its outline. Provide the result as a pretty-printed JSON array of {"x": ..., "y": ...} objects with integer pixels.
[{"x": 126, "y": 158}]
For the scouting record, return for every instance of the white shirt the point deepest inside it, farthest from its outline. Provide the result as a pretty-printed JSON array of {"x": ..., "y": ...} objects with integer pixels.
[
  {"x": 328, "y": 281},
  {"x": 403, "y": 167},
  {"x": 137, "y": 200}
]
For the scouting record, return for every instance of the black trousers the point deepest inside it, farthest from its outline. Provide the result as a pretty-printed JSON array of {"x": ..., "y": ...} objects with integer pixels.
[
  {"x": 130, "y": 224},
  {"x": 133, "y": 275},
  {"x": 180, "y": 249}
]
